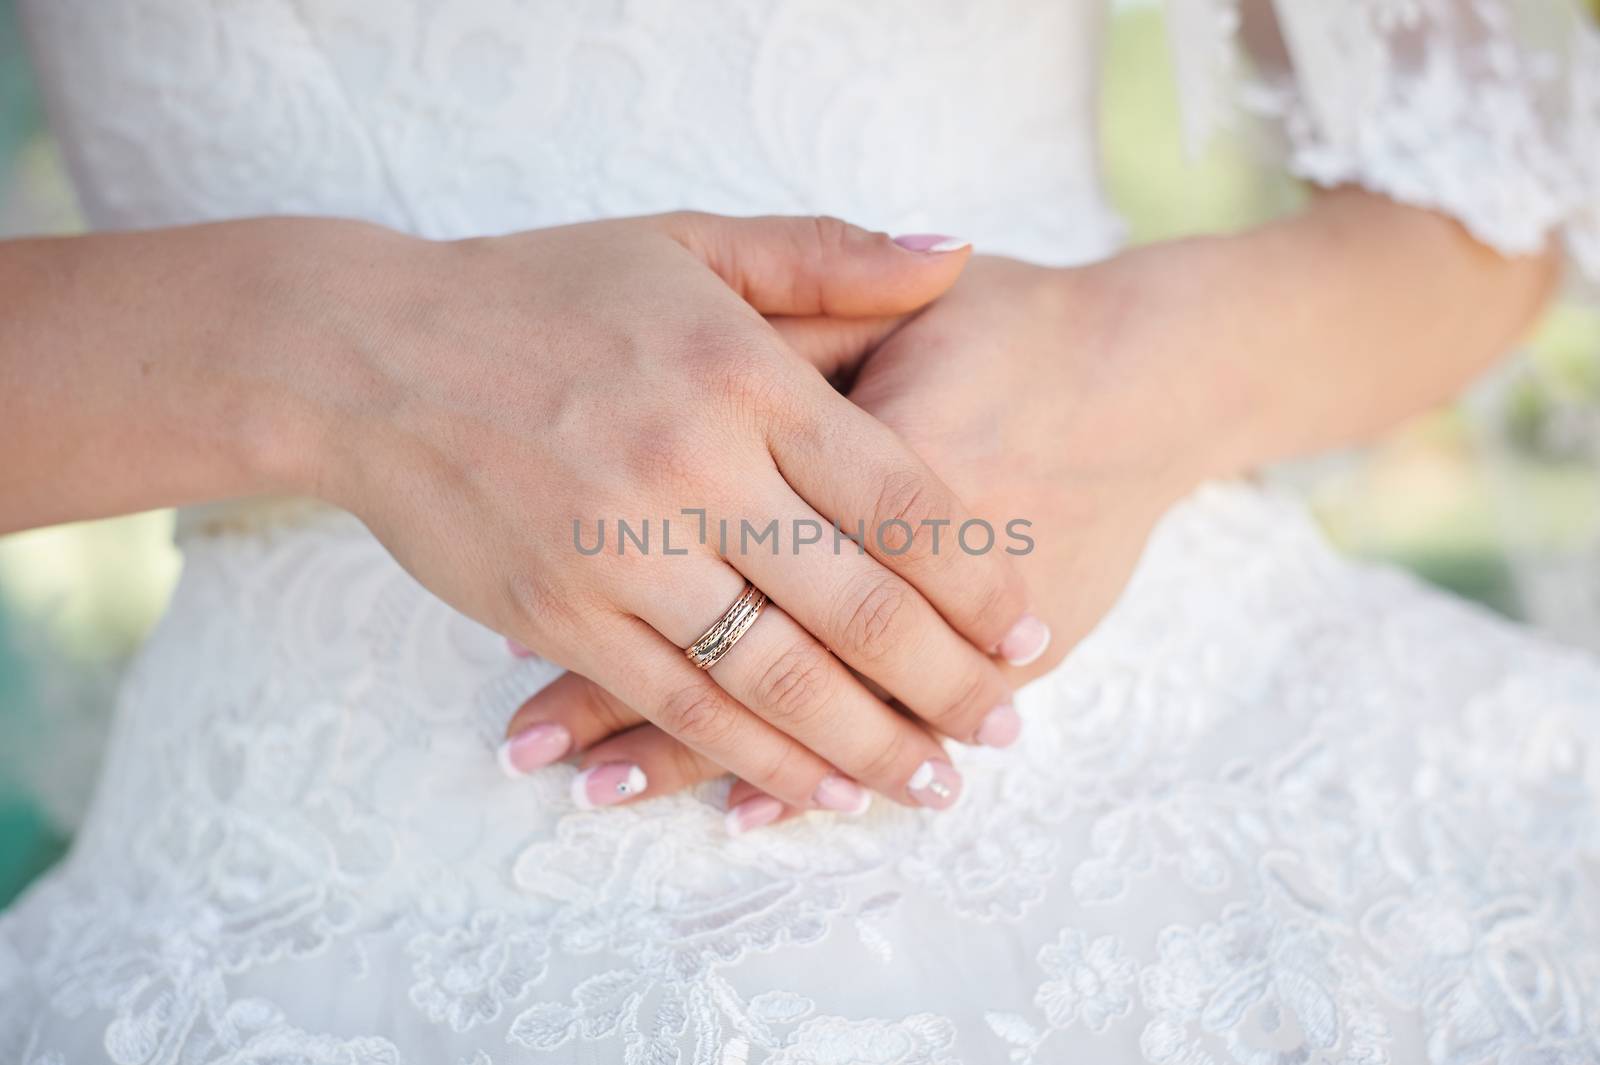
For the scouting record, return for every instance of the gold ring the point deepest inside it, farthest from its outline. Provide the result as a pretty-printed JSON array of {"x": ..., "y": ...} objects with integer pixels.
[{"x": 719, "y": 639}]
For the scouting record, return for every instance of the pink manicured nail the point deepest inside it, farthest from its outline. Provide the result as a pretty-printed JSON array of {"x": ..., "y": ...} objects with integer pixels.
[
  {"x": 534, "y": 748},
  {"x": 608, "y": 784},
  {"x": 1001, "y": 727},
  {"x": 517, "y": 649},
  {"x": 1025, "y": 642},
  {"x": 931, "y": 242},
  {"x": 842, "y": 794},
  {"x": 935, "y": 784},
  {"x": 753, "y": 813}
]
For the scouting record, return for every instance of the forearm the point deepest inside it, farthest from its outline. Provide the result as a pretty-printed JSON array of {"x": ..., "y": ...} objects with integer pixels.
[
  {"x": 1334, "y": 324},
  {"x": 140, "y": 370}
]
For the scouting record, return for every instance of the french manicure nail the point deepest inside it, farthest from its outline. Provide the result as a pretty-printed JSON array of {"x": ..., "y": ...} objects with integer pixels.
[
  {"x": 842, "y": 794},
  {"x": 753, "y": 813},
  {"x": 1001, "y": 727},
  {"x": 931, "y": 242},
  {"x": 607, "y": 784},
  {"x": 935, "y": 784},
  {"x": 516, "y": 649},
  {"x": 534, "y": 748},
  {"x": 1026, "y": 641}
]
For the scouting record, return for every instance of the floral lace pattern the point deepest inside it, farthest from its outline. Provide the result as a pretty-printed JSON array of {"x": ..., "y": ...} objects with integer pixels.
[
  {"x": 1488, "y": 110},
  {"x": 1307, "y": 830}
]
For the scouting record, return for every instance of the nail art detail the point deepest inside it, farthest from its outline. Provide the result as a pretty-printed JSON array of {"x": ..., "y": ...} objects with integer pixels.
[
  {"x": 607, "y": 784},
  {"x": 842, "y": 794},
  {"x": 753, "y": 813},
  {"x": 931, "y": 242},
  {"x": 1001, "y": 727},
  {"x": 1026, "y": 641},
  {"x": 534, "y": 748},
  {"x": 935, "y": 784}
]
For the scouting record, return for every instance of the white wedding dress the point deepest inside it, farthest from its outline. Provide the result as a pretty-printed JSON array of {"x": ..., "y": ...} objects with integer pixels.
[{"x": 1278, "y": 809}]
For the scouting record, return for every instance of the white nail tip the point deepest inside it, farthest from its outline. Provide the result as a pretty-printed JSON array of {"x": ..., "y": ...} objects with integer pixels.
[
  {"x": 503, "y": 755},
  {"x": 632, "y": 784},
  {"x": 951, "y": 244},
  {"x": 864, "y": 805},
  {"x": 922, "y": 777},
  {"x": 1044, "y": 645},
  {"x": 580, "y": 790},
  {"x": 731, "y": 823}
]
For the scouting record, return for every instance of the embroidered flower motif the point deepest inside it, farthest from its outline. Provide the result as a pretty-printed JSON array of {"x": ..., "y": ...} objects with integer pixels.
[
  {"x": 467, "y": 975},
  {"x": 1090, "y": 981}
]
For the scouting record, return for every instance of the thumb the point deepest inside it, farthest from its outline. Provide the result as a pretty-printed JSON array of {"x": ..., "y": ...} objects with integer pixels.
[
  {"x": 808, "y": 266},
  {"x": 835, "y": 345}
]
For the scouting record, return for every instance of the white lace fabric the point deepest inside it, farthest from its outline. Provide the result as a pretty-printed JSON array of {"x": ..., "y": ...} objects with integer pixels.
[
  {"x": 1278, "y": 810},
  {"x": 1487, "y": 110}
]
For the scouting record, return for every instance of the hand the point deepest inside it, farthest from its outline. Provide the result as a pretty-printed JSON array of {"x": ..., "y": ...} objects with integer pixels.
[
  {"x": 490, "y": 393},
  {"x": 1038, "y": 394},
  {"x": 1050, "y": 396}
]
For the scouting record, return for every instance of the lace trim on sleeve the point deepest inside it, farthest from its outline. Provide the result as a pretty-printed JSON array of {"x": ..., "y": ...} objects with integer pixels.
[{"x": 1488, "y": 110}]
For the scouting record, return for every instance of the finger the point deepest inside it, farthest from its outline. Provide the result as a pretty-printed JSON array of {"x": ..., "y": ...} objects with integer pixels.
[
  {"x": 570, "y": 714},
  {"x": 639, "y": 762},
  {"x": 750, "y": 808},
  {"x": 664, "y": 758},
  {"x": 820, "y": 266},
  {"x": 579, "y": 715},
  {"x": 878, "y": 624},
  {"x": 641, "y": 669},
  {"x": 670, "y": 766},
  {"x": 784, "y": 675},
  {"x": 835, "y": 345},
  {"x": 851, "y": 467}
]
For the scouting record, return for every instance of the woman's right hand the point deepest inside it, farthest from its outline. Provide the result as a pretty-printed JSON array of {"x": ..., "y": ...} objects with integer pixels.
[{"x": 471, "y": 401}]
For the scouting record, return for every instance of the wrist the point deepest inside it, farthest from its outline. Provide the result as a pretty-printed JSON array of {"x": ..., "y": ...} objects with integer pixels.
[
  {"x": 1162, "y": 317},
  {"x": 318, "y": 297}
]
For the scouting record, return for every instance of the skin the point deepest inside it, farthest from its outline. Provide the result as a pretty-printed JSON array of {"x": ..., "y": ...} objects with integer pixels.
[
  {"x": 1091, "y": 399},
  {"x": 468, "y": 400}
]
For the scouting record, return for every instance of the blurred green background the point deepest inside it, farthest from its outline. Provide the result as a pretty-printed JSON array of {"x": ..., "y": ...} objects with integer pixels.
[{"x": 1496, "y": 497}]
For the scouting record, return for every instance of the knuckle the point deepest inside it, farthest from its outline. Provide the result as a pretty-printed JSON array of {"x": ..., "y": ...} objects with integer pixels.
[
  {"x": 737, "y": 371},
  {"x": 697, "y": 715},
  {"x": 778, "y": 774},
  {"x": 870, "y": 620},
  {"x": 831, "y": 234},
  {"x": 534, "y": 606},
  {"x": 667, "y": 451},
  {"x": 1000, "y": 602},
  {"x": 887, "y": 765},
  {"x": 906, "y": 502},
  {"x": 611, "y": 715},
  {"x": 688, "y": 768},
  {"x": 973, "y": 695},
  {"x": 796, "y": 686}
]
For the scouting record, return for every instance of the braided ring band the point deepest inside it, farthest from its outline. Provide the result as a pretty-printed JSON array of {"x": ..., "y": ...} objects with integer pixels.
[{"x": 719, "y": 639}]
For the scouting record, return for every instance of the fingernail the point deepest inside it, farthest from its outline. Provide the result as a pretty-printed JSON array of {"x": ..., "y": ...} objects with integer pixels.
[
  {"x": 935, "y": 784},
  {"x": 517, "y": 649},
  {"x": 1025, "y": 642},
  {"x": 608, "y": 784},
  {"x": 1001, "y": 727},
  {"x": 842, "y": 794},
  {"x": 753, "y": 813},
  {"x": 931, "y": 242},
  {"x": 534, "y": 748}
]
